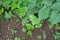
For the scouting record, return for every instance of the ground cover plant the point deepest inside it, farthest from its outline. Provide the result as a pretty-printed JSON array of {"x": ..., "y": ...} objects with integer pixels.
[{"x": 27, "y": 16}]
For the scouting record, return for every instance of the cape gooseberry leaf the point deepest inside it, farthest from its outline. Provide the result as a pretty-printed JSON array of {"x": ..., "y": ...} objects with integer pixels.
[
  {"x": 1, "y": 10},
  {"x": 38, "y": 25},
  {"x": 29, "y": 33},
  {"x": 34, "y": 19},
  {"x": 17, "y": 38},
  {"x": 56, "y": 6},
  {"x": 55, "y": 17},
  {"x": 6, "y": 4},
  {"x": 29, "y": 27},
  {"x": 44, "y": 13}
]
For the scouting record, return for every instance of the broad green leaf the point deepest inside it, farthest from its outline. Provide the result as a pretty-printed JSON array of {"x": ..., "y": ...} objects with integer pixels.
[
  {"x": 55, "y": 17},
  {"x": 58, "y": 1},
  {"x": 44, "y": 13},
  {"x": 56, "y": 6},
  {"x": 13, "y": 6},
  {"x": 29, "y": 27},
  {"x": 17, "y": 38},
  {"x": 21, "y": 12},
  {"x": 6, "y": 4},
  {"x": 47, "y": 2},
  {"x": 32, "y": 11},
  {"x": 14, "y": 0},
  {"x": 34, "y": 19}
]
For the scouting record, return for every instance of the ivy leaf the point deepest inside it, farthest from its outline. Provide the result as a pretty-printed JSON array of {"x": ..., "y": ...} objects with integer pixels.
[
  {"x": 34, "y": 19},
  {"x": 44, "y": 13},
  {"x": 55, "y": 17},
  {"x": 29, "y": 27}
]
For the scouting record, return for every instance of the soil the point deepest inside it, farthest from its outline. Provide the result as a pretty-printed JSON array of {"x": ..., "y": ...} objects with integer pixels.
[{"x": 11, "y": 24}]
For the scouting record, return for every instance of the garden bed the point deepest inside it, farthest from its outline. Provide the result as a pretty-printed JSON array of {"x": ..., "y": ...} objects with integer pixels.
[{"x": 11, "y": 24}]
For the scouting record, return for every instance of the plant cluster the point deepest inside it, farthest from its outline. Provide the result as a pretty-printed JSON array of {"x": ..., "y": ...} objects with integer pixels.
[{"x": 31, "y": 12}]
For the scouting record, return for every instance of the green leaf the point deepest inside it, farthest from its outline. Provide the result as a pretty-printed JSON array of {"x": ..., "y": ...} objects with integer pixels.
[
  {"x": 21, "y": 12},
  {"x": 38, "y": 25},
  {"x": 6, "y": 4},
  {"x": 17, "y": 38},
  {"x": 8, "y": 15},
  {"x": 29, "y": 27},
  {"x": 1, "y": 11},
  {"x": 34, "y": 19},
  {"x": 29, "y": 33},
  {"x": 44, "y": 13},
  {"x": 47, "y": 2},
  {"x": 24, "y": 30},
  {"x": 13, "y": 6},
  {"x": 58, "y": 1},
  {"x": 55, "y": 17},
  {"x": 13, "y": 31},
  {"x": 56, "y": 6},
  {"x": 24, "y": 21}
]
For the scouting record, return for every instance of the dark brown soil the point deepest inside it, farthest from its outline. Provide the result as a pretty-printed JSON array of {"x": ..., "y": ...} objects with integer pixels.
[{"x": 11, "y": 24}]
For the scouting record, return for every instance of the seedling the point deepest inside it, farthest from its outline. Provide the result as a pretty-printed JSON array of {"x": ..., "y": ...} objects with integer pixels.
[
  {"x": 39, "y": 37},
  {"x": 17, "y": 38},
  {"x": 24, "y": 30},
  {"x": 13, "y": 31},
  {"x": 29, "y": 27},
  {"x": 29, "y": 33}
]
